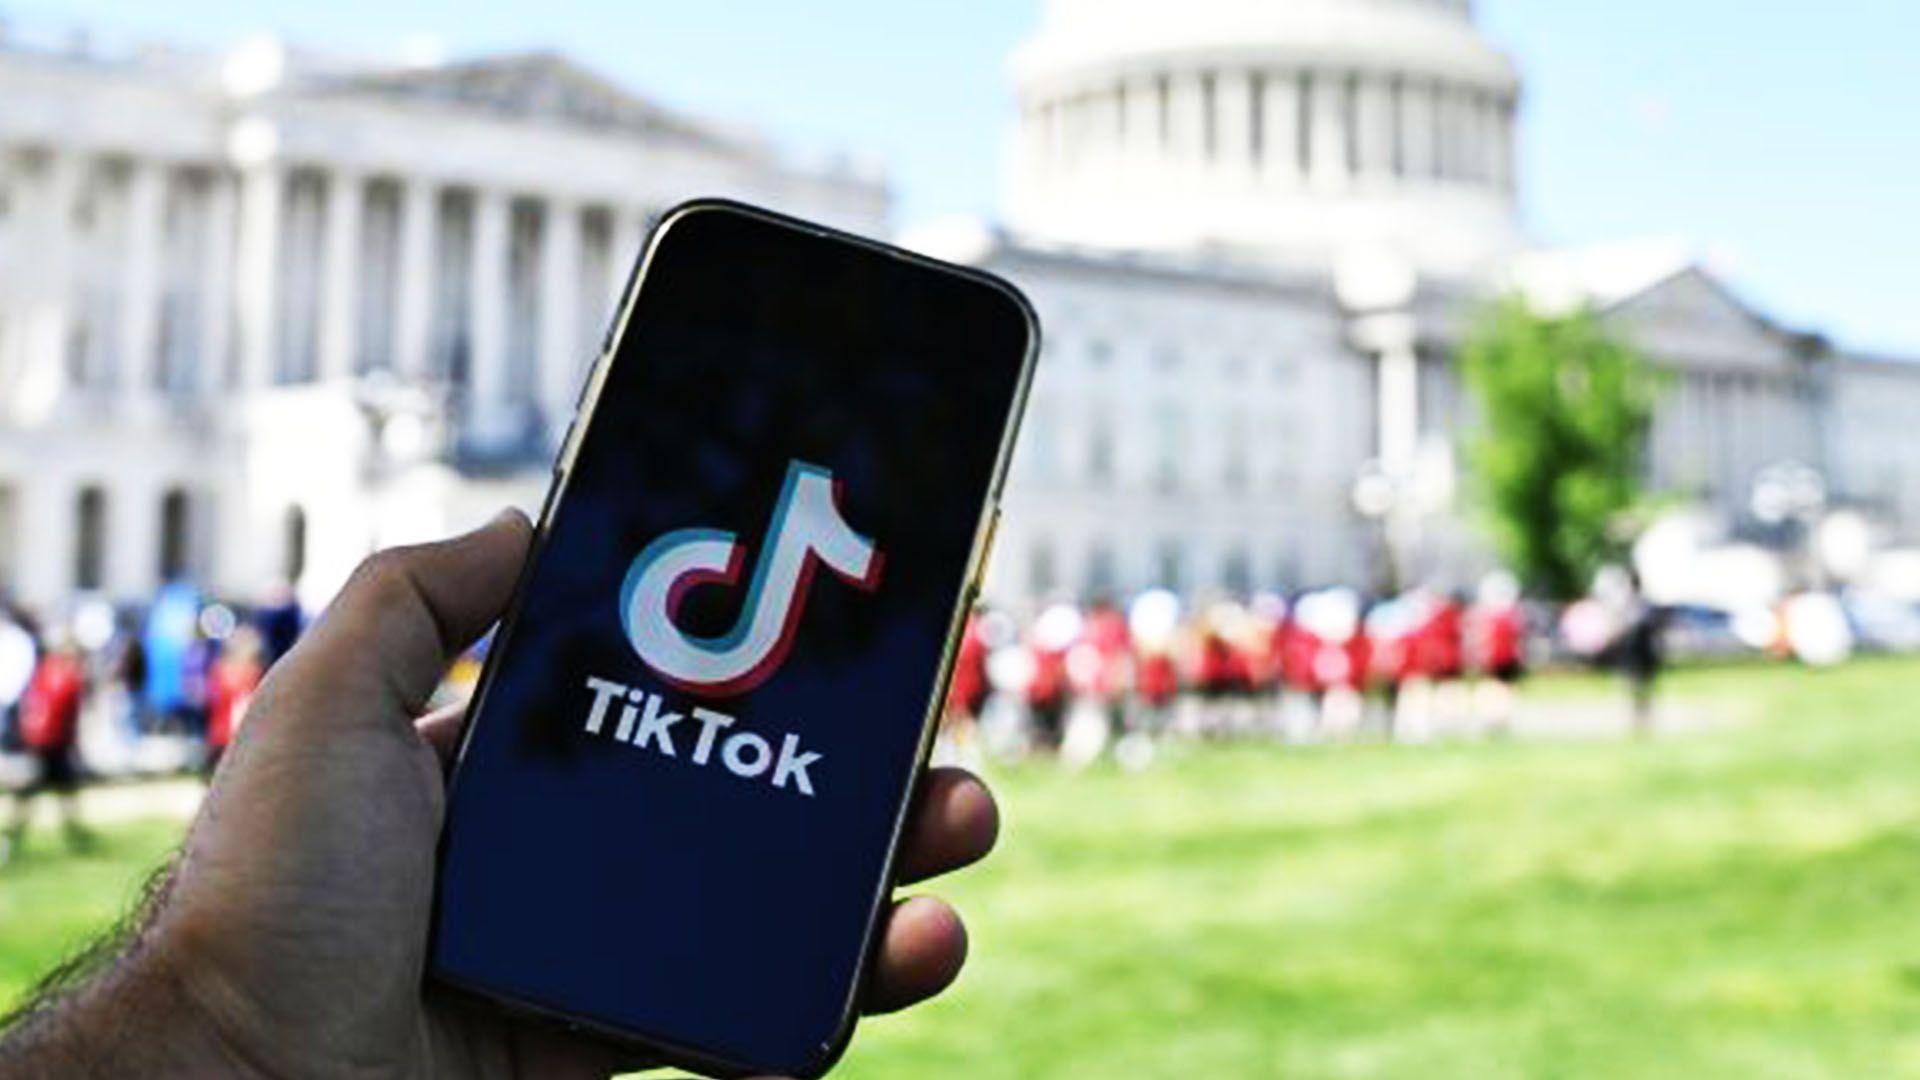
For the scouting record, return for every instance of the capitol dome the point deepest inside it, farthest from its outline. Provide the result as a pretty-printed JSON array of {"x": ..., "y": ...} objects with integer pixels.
[{"x": 1287, "y": 130}]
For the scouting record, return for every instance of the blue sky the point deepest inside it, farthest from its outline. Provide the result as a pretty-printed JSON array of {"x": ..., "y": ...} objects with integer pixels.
[{"x": 1782, "y": 138}]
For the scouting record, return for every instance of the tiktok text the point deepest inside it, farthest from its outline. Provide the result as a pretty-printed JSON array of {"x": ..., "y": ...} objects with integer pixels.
[{"x": 644, "y": 722}]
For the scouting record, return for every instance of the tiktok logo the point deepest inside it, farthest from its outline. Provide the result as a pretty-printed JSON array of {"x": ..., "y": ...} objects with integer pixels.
[{"x": 806, "y": 529}]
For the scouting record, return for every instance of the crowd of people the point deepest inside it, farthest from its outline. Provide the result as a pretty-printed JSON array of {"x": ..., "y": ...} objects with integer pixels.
[
  {"x": 1326, "y": 664},
  {"x": 107, "y": 691},
  {"x": 104, "y": 691}
]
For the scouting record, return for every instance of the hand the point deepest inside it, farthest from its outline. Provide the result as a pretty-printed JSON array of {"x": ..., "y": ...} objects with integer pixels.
[{"x": 294, "y": 933}]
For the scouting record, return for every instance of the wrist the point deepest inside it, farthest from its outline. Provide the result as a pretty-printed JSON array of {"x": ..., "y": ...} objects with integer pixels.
[{"x": 135, "y": 1015}]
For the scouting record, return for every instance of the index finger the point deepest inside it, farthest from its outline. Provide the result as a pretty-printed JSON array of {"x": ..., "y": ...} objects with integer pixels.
[{"x": 954, "y": 823}]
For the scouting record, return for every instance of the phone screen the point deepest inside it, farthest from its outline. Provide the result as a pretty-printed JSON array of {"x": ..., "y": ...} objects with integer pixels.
[{"x": 681, "y": 783}]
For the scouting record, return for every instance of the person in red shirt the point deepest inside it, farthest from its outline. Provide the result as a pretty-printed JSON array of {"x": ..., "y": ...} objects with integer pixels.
[
  {"x": 1153, "y": 639},
  {"x": 1496, "y": 648},
  {"x": 1443, "y": 662},
  {"x": 1049, "y": 691},
  {"x": 50, "y": 731},
  {"x": 1107, "y": 635},
  {"x": 967, "y": 692},
  {"x": 230, "y": 687}
]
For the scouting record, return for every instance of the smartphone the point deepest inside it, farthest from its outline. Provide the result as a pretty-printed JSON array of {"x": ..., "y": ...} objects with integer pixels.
[{"x": 687, "y": 766}]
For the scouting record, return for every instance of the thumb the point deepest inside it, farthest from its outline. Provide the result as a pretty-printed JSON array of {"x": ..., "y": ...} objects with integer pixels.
[{"x": 407, "y": 612}]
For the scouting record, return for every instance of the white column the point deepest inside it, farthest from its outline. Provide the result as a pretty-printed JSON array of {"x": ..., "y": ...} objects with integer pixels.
[
  {"x": 1398, "y": 405},
  {"x": 140, "y": 282},
  {"x": 1392, "y": 337},
  {"x": 261, "y": 192},
  {"x": 44, "y": 513},
  {"x": 1233, "y": 124},
  {"x": 1142, "y": 150},
  {"x": 130, "y": 563},
  {"x": 216, "y": 287},
  {"x": 1280, "y": 119},
  {"x": 625, "y": 236},
  {"x": 48, "y": 294},
  {"x": 1102, "y": 141},
  {"x": 1186, "y": 122},
  {"x": 1054, "y": 135},
  {"x": 1417, "y": 130},
  {"x": 340, "y": 287},
  {"x": 487, "y": 419},
  {"x": 1374, "y": 112},
  {"x": 1073, "y": 134},
  {"x": 413, "y": 313},
  {"x": 560, "y": 348},
  {"x": 1327, "y": 165}
]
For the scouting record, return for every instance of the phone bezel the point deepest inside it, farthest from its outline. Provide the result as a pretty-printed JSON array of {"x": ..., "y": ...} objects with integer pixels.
[{"x": 685, "y": 1055}]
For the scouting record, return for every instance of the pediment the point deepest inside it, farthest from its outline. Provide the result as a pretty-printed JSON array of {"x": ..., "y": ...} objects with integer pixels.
[
  {"x": 1691, "y": 319},
  {"x": 536, "y": 85}
]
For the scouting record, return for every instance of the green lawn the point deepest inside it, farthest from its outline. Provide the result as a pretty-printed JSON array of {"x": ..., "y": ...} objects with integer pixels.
[
  {"x": 52, "y": 903},
  {"x": 1741, "y": 901}
]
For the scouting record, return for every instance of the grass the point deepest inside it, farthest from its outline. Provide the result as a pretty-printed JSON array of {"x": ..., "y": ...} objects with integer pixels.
[
  {"x": 1743, "y": 900},
  {"x": 53, "y": 902}
]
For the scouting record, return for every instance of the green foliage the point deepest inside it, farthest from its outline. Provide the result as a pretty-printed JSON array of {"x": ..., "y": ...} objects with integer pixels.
[{"x": 1565, "y": 410}]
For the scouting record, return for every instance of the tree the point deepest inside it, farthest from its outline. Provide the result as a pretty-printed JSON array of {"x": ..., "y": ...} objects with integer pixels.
[{"x": 1565, "y": 409}]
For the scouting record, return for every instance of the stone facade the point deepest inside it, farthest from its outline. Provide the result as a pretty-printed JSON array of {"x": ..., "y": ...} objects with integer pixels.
[
  {"x": 260, "y": 314},
  {"x": 1258, "y": 233}
]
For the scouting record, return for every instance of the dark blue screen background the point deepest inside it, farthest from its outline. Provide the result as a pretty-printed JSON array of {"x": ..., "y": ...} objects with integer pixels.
[{"x": 682, "y": 902}]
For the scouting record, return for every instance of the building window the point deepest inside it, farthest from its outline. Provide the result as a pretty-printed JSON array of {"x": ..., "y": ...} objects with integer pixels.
[
  {"x": 1169, "y": 568},
  {"x": 90, "y": 539},
  {"x": 1237, "y": 473},
  {"x": 1100, "y": 451},
  {"x": 1169, "y": 437},
  {"x": 293, "y": 545},
  {"x": 1041, "y": 572},
  {"x": 1286, "y": 565},
  {"x": 1039, "y": 449},
  {"x": 1237, "y": 574},
  {"x": 176, "y": 535},
  {"x": 1102, "y": 577}
]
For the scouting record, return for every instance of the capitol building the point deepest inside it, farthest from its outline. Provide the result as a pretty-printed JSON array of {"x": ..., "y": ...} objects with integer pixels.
[
  {"x": 263, "y": 312},
  {"x": 1258, "y": 232}
]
